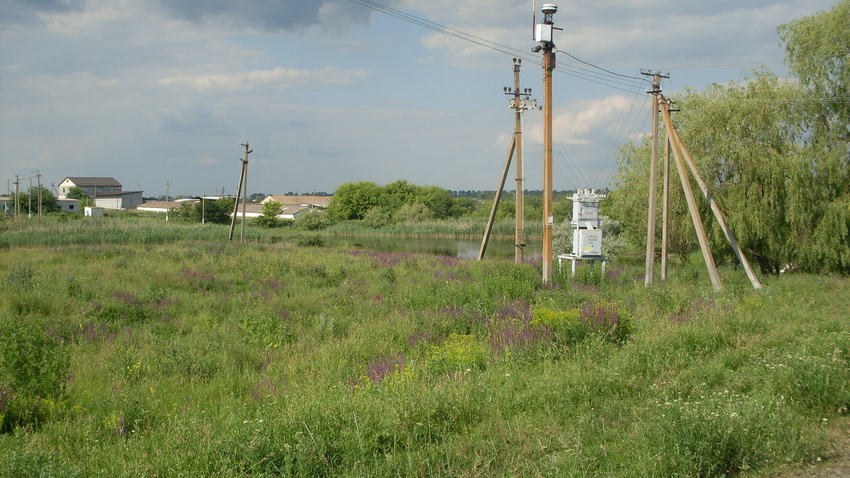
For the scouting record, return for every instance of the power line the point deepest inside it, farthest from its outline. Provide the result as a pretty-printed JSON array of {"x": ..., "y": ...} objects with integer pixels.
[{"x": 613, "y": 81}]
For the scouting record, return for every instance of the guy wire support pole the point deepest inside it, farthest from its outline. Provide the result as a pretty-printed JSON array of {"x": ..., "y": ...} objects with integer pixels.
[
  {"x": 543, "y": 34},
  {"x": 496, "y": 199},
  {"x": 689, "y": 196},
  {"x": 653, "y": 180},
  {"x": 718, "y": 214},
  {"x": 665, "y": 208}
]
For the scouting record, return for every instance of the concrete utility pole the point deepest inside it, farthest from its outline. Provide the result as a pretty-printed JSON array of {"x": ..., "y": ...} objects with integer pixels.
[
  {"x": 543, "y": 34},
  {"x": 519, "y": 104},
  {"x": 653, "y": 180},
  {"x": 243, "y": 179},
  {"x": 167, "y": 195},
  {"x": 17, "y": 196},
  {"x": 38, "y": 175}
]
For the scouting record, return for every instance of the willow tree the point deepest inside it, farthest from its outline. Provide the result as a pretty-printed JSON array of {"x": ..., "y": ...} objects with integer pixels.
[{"x": 818, "y": 53}]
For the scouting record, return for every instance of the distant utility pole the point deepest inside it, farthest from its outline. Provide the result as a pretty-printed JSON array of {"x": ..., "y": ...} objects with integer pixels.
[
  {"x": 167, "y": 194},
  {"x": 38, "y": 175},
  {"x": 243, "y": 190},
  {"x": 653, "y": 179},
  {"x": 17, "y": 196},
  {"x": 519, "y": 104},
  {"x": 543, "y": 34}
]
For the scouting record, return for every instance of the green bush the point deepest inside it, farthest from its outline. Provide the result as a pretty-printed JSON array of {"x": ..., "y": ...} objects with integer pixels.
[
  {"x": 602, "y": 319},
  {"x": 459, "y": 353}
]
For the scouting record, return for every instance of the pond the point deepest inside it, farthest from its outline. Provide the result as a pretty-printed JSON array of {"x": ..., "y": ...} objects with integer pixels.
[{"x": 467, "y": 248}]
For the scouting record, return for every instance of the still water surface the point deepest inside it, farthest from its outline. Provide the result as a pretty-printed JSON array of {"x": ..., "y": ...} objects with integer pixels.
[{"x": 468, "y": 248}]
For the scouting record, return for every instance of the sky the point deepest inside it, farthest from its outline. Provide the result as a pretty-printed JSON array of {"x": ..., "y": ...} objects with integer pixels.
[{"x": 162, "y": 94}]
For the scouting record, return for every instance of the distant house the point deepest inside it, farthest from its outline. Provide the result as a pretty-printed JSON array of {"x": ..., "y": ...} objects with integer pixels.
[
  {"x": 312, "y": 202},
  {"x": 164, "y": 206},
  {"x": 252, "y": 210},
  {"x": 106, "y": 192}
]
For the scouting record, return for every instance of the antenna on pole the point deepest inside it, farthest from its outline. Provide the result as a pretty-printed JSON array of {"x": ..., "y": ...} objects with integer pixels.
[{"x": 533, "y": 17}]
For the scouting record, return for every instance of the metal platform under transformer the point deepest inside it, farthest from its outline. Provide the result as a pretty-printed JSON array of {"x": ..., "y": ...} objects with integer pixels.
[{"x": 573, "y": 258}]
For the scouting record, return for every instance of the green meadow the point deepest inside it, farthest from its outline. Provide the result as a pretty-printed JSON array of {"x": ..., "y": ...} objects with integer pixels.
[{"x": 136, "y": 349}]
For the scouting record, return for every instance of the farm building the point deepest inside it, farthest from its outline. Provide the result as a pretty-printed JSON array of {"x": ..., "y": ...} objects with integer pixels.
[{"x": 105, "y": 191}]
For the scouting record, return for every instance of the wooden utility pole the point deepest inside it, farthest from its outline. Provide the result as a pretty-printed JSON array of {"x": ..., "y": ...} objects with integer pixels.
[
  {"x": 242, "y": 180},
  {"x": 653, "y": 180},
  {"x": 543, "y": 34},
  {"x": 715, "y": 209}
]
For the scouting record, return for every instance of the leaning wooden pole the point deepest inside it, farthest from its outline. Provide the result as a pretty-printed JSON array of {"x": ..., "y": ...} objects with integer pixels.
[
  {"x": 665, "y": 210},
  {"x": 730, "y": 236},
  {"x": 496, "y": 200},
  {"x": 691, "y": 200}
]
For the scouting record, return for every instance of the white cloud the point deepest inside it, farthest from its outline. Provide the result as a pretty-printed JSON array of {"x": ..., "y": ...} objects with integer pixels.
[
  {"x": 280, "y": 77},
  {"x": 585, "y": 122}
]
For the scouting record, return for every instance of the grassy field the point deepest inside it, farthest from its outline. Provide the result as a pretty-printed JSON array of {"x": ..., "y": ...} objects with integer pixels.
[{"x": 178, "y": 354}]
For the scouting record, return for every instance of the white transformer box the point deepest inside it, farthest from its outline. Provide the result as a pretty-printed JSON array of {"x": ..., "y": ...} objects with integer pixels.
[{"x": 587, "y": 242}]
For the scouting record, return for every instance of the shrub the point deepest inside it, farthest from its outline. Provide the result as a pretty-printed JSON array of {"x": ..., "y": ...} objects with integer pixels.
[
  {"x": 312, "y": 221},
  {"x": 603, "y": 319},
  {"x": 458, "y": 353}
]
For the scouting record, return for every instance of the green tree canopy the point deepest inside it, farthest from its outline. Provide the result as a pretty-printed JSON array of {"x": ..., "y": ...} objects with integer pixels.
[
  {"x": 356, "y": 200},
  {"x": 817, "y": 52},
  {"x": 29, "y": 200},
  {"x": 271, "y": 210}
]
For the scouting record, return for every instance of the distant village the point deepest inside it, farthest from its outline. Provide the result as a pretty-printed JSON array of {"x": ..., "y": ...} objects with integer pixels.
[{"x": 106, "y": 193}]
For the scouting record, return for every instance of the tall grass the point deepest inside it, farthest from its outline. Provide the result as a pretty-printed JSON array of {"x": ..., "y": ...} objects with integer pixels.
[{"x": 208, "y": 358}]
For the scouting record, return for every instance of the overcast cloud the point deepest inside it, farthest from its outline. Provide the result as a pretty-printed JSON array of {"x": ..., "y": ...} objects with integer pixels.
[{"x": 328, "y": 92}]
